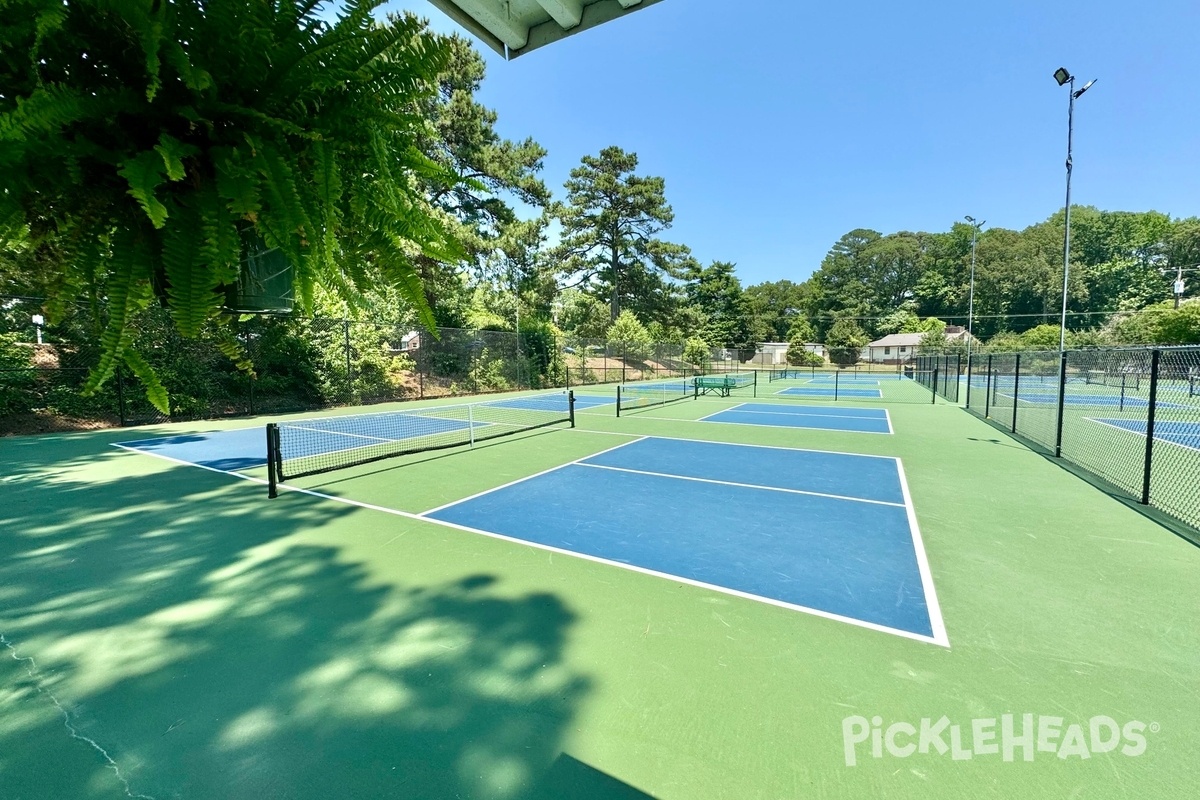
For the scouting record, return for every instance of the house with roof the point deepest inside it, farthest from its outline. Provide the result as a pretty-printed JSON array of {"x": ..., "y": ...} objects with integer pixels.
[{"x": 900, "y": 348}]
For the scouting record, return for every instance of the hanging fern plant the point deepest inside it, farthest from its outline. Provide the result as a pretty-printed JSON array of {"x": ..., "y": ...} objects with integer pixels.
[{"x": 142, "y": 141}]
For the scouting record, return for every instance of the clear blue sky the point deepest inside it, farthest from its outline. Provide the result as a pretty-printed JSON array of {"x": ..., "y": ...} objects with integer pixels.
[{"x": 779, "y": 126}]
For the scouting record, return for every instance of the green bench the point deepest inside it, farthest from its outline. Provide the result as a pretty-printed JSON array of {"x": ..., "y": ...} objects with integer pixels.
[{"x": 723, "y": 385}]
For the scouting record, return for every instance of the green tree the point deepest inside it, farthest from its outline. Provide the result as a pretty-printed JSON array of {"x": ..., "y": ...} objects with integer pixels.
[
  {"x": 494, "y": 172},
  {"x": 845, "y": 342},
  {"x": 630, "y": 336},
  {"x": 777, "y": 306},
  {"x": 610, "y": 223},
  {"x": 582, "y": 316},
  {"x": 1161, "y": 324},
  {"x": 697, "y": 352},
  {"x": 147, "y": 145},
  {"x": 1043, "y": 337},
  {"x": 800, "y": 356},
  {"x": 801, "y": 329},
  {"x": 717, "y": 292}
]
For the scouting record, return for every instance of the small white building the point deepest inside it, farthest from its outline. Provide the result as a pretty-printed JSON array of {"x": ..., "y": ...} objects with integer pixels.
[
  {"x": 775, "y": 353},
  {"x": 410, "y": 341},
  {"x": 899, "y": 348}
]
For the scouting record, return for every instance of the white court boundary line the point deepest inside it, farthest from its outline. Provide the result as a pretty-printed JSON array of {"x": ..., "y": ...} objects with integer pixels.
[
  {"x": 779, "y": 427},
  {"x": 932, "y": 607},
  {"x": 804, "y": 391},
  {"x": 735, "y": 483},
  {"x": 531, "y": 477},
  {"x": 1157, "y": 437},
  {"x": 797, "y": 411}
]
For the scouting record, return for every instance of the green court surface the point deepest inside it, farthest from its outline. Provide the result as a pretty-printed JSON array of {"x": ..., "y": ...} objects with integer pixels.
[{"x": 169, "y": 632}]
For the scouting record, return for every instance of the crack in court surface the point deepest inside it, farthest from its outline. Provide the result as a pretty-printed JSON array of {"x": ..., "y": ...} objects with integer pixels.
[{"x": 32, "y": 670}]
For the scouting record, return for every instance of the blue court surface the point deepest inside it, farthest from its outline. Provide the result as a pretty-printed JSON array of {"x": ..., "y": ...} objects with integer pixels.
[
  {"x": 833, "y": 418},
  {"x": 830, "y": 391},
  {"x": 831, "y": 534},
  {"x": 1184, "y": 434},
  {"x": 246, "y": 448},
  {"x": 845, "y": 381},
  {"x": 1042, "y": 399}
]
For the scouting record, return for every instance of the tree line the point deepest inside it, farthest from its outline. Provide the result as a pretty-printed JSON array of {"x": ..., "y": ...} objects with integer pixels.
[{"x": 149, "y": 147}]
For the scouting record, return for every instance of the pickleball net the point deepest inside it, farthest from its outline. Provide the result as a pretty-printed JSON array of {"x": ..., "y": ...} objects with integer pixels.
[
  {"x": 631, "y": 396},
  {"x": 313, "y": 446}
]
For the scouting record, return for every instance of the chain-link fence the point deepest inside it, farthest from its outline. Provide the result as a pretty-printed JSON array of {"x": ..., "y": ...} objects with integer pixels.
[
  {"x": 1130, "y": 416},
  {"x": 299, "y": 364},
  {"x": 941, "y": 373}
]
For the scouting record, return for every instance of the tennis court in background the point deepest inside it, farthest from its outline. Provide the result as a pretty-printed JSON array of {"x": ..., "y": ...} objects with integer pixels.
[
  {"x": 829, "y": 391},
  {"x": 832, "y": 418}
]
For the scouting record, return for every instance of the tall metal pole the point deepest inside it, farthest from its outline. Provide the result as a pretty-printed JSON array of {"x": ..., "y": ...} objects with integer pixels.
[{"x": 1062, "y": 331}]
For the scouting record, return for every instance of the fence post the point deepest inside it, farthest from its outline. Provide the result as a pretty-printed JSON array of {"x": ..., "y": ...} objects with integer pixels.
[
  {"x": 987, "y": 392},
  {"x": 349, "y": 377},
  {"x": 969, "y": 357},
  {"x": 1016, "y": 391},
  {"x": 835, "y": 386},
  {"x": 1062, "y": 400},
  {"x": 618, "y": 399},
  {"x": 1150, "y": 426},
  {"x": 252, "y": 382},
  {"x": 933, "y": 394},
  {"x": 121, "y": 397}
]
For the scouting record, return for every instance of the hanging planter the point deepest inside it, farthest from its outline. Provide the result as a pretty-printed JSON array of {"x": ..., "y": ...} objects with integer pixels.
[{"x": 266, "y": 282}]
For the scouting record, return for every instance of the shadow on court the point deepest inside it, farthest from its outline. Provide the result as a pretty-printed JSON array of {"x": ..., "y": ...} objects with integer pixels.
[{"x": 216, "y": 645}]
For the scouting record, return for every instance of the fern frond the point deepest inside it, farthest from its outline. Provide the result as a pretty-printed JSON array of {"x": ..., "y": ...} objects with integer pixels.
[
  {"x": 156, "y": 393},
  {"x": 145, "y": 173}
]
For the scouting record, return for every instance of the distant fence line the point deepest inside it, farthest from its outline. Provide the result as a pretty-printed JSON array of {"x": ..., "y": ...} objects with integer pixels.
[
  {"x": 1128, "y": 416},
  {"x": 300, "y": 364}
]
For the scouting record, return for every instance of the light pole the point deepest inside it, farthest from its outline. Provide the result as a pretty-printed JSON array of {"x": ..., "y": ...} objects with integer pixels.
[
  {"x": 1063, "y": 77},
  {"x": 38, "y": 322},
  {"x": 975, "y": 226}
]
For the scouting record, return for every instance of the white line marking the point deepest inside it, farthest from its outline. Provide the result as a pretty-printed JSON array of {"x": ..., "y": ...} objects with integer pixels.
[
  {"x": 740, "y": 485},
  {"x": 943, "y": 642},
  {"x": 722, "y": 411},
  {"x": 1158, "y": 437},
  {"x": 932, "y": 607},
  {"x": 530, "y": 477},
  {"x": 731, "y": 444},
  {"x": 888, "y": 416},
  {"x": 777, "y": 427},
  {"x": 795, "y": 413}
]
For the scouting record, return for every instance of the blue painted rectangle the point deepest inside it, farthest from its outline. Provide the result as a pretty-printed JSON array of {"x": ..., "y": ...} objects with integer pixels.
[
  {"x": 820, "y": 411},
  {"x": 1106, "y": 400},
  {"x": 844, "y": 382},
  {"x": 853, "y": 559},
  {"x": 820, "y": 391},
  {"x": 1184, "y": 434},
  {"x": 781, "y": 419},
  {"x": 845, "y": 474}
]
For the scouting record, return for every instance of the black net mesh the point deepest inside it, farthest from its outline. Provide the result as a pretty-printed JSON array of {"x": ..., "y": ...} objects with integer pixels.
[
  {"x": 631, "y": 396},
  {"x": 314, "y": 446}
]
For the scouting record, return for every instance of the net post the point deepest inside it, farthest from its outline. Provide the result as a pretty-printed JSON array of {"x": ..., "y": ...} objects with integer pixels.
[
  {"x": 471, "y": 422},
  {"x": 571, "y": 406},
  {"x": 835, "y": 386},
  {"x": 933, "y": 385},
  {"x": 1154, "y": 359},
  {"x": 1121, "y": 407},
  {"x": 755, "y": 383},
  {"x": 618, "y": 399},
  {"x": 987, "y": 392},
  {"x": 272, "y": 458},
  {"x": 1016, "y": 391}
]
